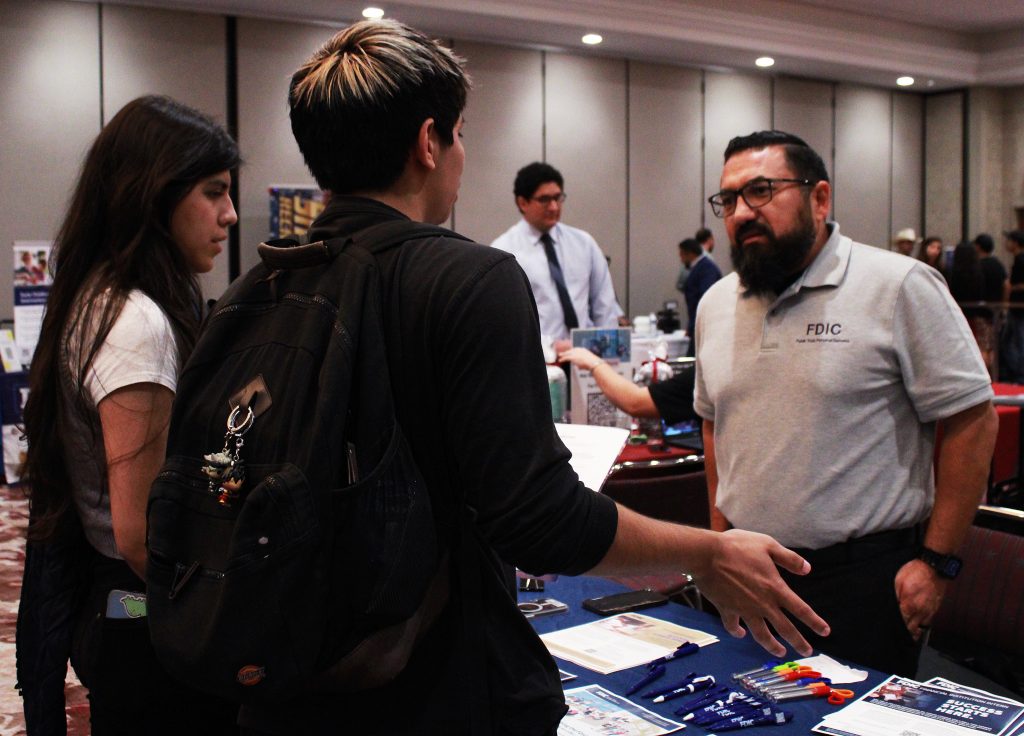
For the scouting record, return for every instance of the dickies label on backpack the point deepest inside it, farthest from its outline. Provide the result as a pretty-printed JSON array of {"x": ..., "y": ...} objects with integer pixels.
[
  {"x": 251, "y": 675},
  {"x": 312, "y": 573}
]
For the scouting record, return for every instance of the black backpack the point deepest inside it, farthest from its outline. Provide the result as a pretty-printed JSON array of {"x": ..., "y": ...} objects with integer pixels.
[{"x": 292, "y": 543}]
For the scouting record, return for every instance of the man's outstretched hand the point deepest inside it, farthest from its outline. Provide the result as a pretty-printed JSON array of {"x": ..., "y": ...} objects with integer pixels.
[{"x": 743, "y": 582}]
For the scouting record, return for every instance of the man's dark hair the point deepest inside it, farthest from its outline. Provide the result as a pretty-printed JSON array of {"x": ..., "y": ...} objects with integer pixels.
[
  {"x": 985, "y": 242},
  {"x": 703, "y": 235},
  {"x": 690, "y": 245},
  {"x": 530, "y": 177},
  {"x": 358, "y": 103},
  {"x": 801, "y": 158}
]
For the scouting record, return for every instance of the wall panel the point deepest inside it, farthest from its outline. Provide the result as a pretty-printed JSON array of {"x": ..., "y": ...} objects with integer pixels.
[
  {"x": 665, "y": 168},
  {"x": 907, "y": 162},
  {"x": 862, "y": 187},
  {"x": 269, "y": 52},
  {"x": 805, "y": 108},
  {"x": 49, "y": 116},
  {"x": 734, "y": 104},
  {"x": 944, "y": 166},
  {"x": 504, "y": 132},
  {"x": 585, "y": 120},
  {"x": 150, "y": 51}
]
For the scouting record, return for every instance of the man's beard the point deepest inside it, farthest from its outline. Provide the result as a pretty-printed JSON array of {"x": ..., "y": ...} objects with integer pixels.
[{"x": 770, "y": 267}]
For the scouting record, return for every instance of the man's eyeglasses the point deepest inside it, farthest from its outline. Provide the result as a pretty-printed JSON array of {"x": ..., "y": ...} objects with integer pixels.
[
  {"x": 549, "y": 198},
  {"x": 756, "y": 193}
]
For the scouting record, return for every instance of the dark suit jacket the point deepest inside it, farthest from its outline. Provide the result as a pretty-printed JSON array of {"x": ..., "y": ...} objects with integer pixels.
[{"x": 704, "y": 273}]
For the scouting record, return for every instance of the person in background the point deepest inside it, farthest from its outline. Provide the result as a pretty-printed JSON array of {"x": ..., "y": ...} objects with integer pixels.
[
  {"x": 930, "y": 252},
  {"x": 706, "y": 239},
  {"x": 671, "y": 399},
  {"x": 905, "y": 241},
  {"x": 151, "y": 210},
  {"x": 704, "y": 272},
  {"x": 823, "y": 369},
  {"x": 995, "y": 284},
  {"x": 568, "y": 272},
  {"x": 377, "y": 114},
  {"x": 1011, "y": 354}
]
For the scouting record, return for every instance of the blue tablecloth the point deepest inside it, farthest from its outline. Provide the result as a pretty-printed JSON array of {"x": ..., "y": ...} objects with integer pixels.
[{"x": 729, "y": 655}]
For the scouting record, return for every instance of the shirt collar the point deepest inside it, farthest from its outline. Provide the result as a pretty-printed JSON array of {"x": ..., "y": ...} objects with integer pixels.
[
  {"x": 828, "y": 267},
  {"x": 535, "y": 233}
]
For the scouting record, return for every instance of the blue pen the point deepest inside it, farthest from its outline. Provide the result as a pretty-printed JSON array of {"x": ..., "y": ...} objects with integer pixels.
[
  {"x": 734, "y": 700},
  {"x": 701, "y": 683},
  {"x": 656, "y": 672},
  {"x": 741, "y": 711},
  {"x": 703, "y": 699},
  {"x": 668, "y": 688},
  {"x": 682, "y": 650},
  {"x": 733, "y": 724}
]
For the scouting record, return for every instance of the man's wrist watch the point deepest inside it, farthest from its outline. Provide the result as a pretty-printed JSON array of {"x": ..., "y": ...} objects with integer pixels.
[{"x": 947, "y": 566}]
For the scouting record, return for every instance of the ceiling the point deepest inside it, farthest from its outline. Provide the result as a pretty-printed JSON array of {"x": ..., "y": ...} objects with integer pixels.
[{"x": 943, "y": 44}]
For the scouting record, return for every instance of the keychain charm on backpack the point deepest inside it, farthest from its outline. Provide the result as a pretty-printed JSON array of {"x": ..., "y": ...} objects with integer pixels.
[{"x": 226, "y": 469}]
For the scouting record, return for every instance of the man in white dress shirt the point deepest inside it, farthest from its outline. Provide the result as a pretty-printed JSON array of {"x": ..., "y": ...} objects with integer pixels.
[{"x": 567, "y": 270}]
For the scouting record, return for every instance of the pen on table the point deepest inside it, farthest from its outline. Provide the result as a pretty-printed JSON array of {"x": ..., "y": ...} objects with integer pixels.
[
  {"x": 703, "y": 699},
  {"x": 656, "y": 672},
  {"x": 701, "y": 683},
  {"x": 744, "y": 711},
  {"x": 768, "y": 666},
  {"x": 795, "y": 685},
  {"x": 682, "y": 650},
  {"x": 733, "y": 700},
  {"x": 777, "y": 718},
  {"x": 661, "y": 690}
]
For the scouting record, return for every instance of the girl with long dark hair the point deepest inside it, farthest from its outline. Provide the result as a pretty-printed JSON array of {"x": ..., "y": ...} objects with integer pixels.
[{"x": 151, "y": 210}]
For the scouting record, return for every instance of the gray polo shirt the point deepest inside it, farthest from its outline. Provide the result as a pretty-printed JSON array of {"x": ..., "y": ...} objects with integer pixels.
[{"x": 825, "y": 399}]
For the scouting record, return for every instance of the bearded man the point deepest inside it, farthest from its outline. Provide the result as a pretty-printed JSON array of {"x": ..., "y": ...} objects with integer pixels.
[{"x": 823, "y": 369}]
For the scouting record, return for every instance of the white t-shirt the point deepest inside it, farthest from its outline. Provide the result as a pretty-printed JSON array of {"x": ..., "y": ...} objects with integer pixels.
[{"x": 140, "y": 348}]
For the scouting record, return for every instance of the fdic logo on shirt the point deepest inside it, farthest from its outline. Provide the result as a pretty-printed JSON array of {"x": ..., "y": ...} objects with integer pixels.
[{"x": 823, "y": 332}]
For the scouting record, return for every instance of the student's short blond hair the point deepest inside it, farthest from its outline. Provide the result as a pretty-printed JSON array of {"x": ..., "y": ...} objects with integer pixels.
[{"x": 359, "y": 101}]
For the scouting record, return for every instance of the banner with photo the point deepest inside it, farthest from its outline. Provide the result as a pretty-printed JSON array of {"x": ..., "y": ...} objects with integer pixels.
[{"x": 32, "y": 282}]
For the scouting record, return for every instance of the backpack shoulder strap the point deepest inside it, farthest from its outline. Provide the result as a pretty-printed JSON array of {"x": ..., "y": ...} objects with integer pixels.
[{"x": 286, "y": 253}]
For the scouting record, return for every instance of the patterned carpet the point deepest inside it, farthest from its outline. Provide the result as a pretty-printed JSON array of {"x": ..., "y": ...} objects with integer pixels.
[{"x": 13, "y": 518}]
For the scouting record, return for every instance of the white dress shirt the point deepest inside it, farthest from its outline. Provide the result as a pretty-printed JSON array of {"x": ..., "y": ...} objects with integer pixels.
[{"x": 585, "y": 270}]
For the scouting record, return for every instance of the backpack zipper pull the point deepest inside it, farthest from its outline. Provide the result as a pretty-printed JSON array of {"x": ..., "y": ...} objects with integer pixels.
[{"x": 181, "y": 579}]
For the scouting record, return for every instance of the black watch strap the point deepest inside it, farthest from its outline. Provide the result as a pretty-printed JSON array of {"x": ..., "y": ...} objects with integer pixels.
[{"x": 947, "y": 566}]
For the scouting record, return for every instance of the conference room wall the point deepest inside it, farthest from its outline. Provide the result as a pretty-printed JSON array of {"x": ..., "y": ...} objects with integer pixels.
[
  {"x": 907, "y": 164},
  {"x": 585, "y": 124},
  {"x": 666, "y": 188},
  {"x": 504, "y": 130},
  {"x": 862, "y": 185},
  {"x": 147, "y": 51},
  {"x": 944, "y": 166},
  {"x": 49, "y": 114},
  {"x": 628, "y": 135}
]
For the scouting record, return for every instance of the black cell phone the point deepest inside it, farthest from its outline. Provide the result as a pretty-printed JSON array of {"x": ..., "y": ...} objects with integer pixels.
[{"x": 634, "y": 600}]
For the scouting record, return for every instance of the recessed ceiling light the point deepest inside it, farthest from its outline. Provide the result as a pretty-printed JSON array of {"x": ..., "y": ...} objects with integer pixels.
[
  {"x": 592, "y": 39},
  {"x": 905, "y": 81},
  {"x": 373, "y": 13},
  {"x": 764, "y": 61}
]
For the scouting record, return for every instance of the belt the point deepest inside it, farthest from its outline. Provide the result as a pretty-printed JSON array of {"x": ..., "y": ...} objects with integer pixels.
[{"x": 864, "y": 548}]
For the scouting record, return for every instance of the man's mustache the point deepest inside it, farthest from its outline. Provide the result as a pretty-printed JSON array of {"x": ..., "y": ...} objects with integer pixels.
[{"x": 752, "y": 228}]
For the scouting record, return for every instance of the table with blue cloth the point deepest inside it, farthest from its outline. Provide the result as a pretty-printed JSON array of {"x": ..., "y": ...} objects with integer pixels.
[{"x": 721, "y": 659}]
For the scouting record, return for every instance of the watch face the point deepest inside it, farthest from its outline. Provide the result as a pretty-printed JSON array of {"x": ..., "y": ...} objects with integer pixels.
[
  {"x": 947, "y": 566},
  {"x": 952, "y": 566}
]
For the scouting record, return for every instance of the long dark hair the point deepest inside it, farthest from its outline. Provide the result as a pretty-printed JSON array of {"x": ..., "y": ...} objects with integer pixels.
[{"x": 115, "y": 238}]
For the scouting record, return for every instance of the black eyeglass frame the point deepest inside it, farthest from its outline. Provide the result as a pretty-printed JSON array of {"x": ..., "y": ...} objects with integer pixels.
[
  {"x": 721, "y": 210},
  {"x": 549, "y": 198}
]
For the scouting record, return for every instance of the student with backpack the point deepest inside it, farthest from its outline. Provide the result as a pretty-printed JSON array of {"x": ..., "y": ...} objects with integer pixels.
[
  {"x": 362, "y": 449},
  {"x": 151, "y": 210}
]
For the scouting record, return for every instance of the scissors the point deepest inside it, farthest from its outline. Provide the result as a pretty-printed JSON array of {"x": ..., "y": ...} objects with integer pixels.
[{"x": 838, "y": 696}]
